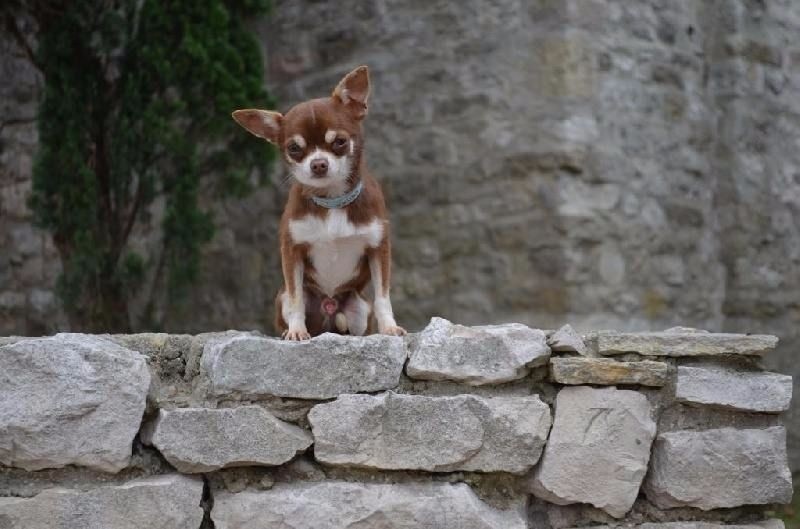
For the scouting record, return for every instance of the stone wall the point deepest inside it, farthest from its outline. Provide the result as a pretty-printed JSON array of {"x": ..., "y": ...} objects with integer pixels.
[
  {"x": 614, "y": 164},
  {"x": 499, "y": 426}
]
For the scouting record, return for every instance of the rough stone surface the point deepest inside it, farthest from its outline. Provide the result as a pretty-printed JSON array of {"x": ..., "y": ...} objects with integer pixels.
[
  {"x": 489, "y": 354},
  {"x": 202, "y": 440},
  {"x": 566, "y": 340},
  {"x": 70, "y": 399},
  {"x": 598, "y": 450},
  {"x": 719, "y": 468},
  {"x": 162, "y": 502},
  {"x": 321, "y": 368},
  {"x": 681, "y": 221},
  {"x": 738, "y": 390},
  {"x": 390, "y": 431},
  {"x": 340, "y": 505},
  {"x": 608, "y": 372},
  {"x": 766, "y": 524},
  {"x": 684, "y": 344}
]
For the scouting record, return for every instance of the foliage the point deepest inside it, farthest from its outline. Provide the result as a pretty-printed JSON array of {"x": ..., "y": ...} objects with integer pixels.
[{"x": 134, "y": 123}]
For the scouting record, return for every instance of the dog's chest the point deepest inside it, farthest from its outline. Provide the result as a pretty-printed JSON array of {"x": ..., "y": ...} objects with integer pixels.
[{"x": 336, "y": 245}]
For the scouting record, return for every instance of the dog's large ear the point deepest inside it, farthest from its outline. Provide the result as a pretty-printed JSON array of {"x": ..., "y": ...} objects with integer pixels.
[
  {"x": 353, "y": 91},
  {"x": 262, "y": 123}
]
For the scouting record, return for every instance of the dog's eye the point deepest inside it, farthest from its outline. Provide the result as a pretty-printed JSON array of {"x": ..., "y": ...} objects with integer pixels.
[
  {"x": 294, "y": 149},
  {"x": 339, "y": 143}
]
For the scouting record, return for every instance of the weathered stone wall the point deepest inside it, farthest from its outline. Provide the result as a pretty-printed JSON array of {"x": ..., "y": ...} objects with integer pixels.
[
  {"x": 499, "y": 426},
  {"x": 614, "y": 164}
]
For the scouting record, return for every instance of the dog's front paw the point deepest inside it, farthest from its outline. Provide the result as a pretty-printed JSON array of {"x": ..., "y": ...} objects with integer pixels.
[
  {"x": 296, "y": 335},
  {"x": 394, "y": 330}
]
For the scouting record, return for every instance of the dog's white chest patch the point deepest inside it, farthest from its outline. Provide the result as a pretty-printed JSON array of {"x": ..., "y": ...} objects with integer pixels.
[{"x": 337, "y": 245}]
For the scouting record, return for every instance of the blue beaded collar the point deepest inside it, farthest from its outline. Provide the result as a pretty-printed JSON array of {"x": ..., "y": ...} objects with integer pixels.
[{"x": 340, "y": 201}]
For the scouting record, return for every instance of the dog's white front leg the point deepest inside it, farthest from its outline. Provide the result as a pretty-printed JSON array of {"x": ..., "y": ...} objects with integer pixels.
[
  {"x": 294, "y": 305},
  {"x": 383, "y": 305}
]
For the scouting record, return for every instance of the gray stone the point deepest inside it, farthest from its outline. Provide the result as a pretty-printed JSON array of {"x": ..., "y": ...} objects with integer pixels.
[
  {"x": 720, "y": 468},
  {"x": 71, "y": 399},
  {"x": 321, "y": 368},
  {"x": 493, "y": 244},
  {"x": 438, "y": 434},
  {"x": 566, "y": 340},
  {"x": 607, "y": 372},
  {"x": 161, "y": 502},
  {"x": 598, "y": 450},
  {"x": 693, "y": 343},
  {"x": 773, "y": 523},
  {"x": 738, "y": 390},
  {"x": 345, "y": 505},
  {"x": 202, "y": 440},
  {"x": 490, "y": 354}
]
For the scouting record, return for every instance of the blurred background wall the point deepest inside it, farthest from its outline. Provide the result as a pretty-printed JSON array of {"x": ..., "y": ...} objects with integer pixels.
[{"x": 611, "y": 164}]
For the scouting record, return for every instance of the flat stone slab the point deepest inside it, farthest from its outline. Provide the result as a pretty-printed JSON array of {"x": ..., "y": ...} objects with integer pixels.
[
  {"x": 732, "y": 389},
  {"x": 202, "y": 440},
  {"x": 437, "y": 434},
  {"x": 598, "y": 450},
  {"x": 773, "y": 523},
  {"x": 720, "y": 468},
  {"x": 607, "y": 372},
  {"x": 678, "y": 342},
  {"x": 70, "y": 399},
  {"x": 567, "y": 340},
  {"x": 321, "y": 368},
  {"x": 161, "y": 502},
  {"x": 490, "y": 354},
  {"x": 346, "y": 505}
]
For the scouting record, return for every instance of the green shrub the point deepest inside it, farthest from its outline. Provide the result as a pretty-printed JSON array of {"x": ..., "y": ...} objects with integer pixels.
[{"x": 134, "y": 119}]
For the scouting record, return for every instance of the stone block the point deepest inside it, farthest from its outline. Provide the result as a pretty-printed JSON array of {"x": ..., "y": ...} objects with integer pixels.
[
  {"x": 607, "y": 372},
  {"x": 684, "y": 343},
  {"x": 202, "y": 440},
  {"x": 490, "y": 354},
  {"x": 729, "y": 388},
  {"x": 160, "y": 502},
  {"x": 70, "y": 399},
  {"x": 719, "y": 468},
  {"x": 321, "y": 368},
  {"x": 347, "y": 505},
  {"x": 437, "y": 434},
  {"x": 598, "y": 450}
]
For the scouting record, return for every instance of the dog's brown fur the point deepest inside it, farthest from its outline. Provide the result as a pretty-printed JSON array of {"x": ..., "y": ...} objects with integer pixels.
[{"x": 313, "y": 122}]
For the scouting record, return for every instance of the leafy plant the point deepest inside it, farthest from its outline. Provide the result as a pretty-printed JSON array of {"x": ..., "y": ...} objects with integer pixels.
[{"x": 133, "y": 124}]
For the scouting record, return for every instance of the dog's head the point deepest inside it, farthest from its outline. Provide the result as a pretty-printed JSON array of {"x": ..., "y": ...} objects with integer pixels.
[{"x": 320, "y": 140}]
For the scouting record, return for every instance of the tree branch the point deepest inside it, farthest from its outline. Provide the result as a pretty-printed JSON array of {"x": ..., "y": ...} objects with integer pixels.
[{"x": 137, "y": 204}]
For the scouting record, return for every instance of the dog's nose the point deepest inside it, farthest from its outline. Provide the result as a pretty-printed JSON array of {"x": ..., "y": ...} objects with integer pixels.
[{"x": 319, "y": 166}]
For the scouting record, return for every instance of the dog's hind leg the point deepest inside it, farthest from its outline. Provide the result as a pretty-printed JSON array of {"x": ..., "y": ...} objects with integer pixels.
[{"x": 357, "y": 310}]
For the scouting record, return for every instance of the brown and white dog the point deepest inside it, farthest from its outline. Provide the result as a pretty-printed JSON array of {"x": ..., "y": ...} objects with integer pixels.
[{"x": 334, "y": 232}]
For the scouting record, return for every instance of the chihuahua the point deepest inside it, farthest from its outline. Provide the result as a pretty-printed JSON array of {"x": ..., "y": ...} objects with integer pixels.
[{"x": 334, "y": 232}]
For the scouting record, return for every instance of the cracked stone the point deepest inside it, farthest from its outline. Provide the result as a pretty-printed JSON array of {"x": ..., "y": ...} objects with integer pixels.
[
  {"x": 438, "y": 434},
  {"x": 598, "y": 450}
]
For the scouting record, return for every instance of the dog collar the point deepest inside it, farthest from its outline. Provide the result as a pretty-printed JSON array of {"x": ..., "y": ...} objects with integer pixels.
[{"x": 340, "y": 201}]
